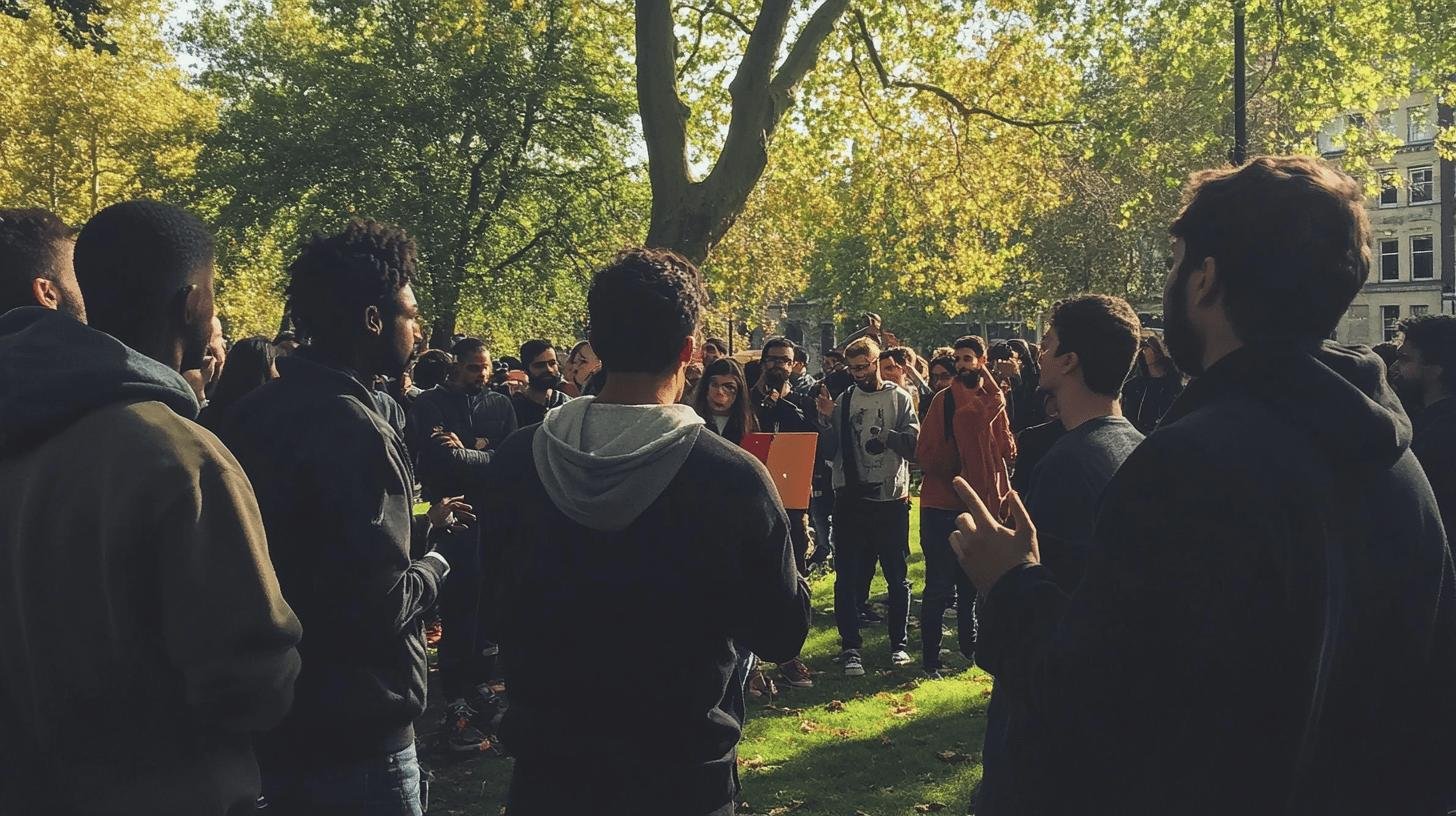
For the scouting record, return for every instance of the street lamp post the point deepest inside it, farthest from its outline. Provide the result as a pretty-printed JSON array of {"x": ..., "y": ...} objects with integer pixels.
[{"x": 1240, "y": 153}]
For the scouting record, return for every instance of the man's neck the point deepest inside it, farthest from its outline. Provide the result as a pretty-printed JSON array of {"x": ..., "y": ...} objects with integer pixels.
[
  {"x": 1078, "y": 405},
  {"x": 351, "y": 361},
  {"x": 640, "y": 389},
  {"x": 540, "y": 397}
]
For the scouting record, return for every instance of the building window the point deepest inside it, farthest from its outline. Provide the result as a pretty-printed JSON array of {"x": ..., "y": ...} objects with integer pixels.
[
  {"x": 1355, "y": 121},
  {"x": 1389, "y": 192},
  {"x": 1422, "y": 185},
  {"x": 1385, "y": 120},
  {"x": 1389, "y": 319},
  {"x": 1420, "y": 310},
  {"x": 1423, "y": 258},
  {"x": 1419, "y": 126},
  {"x": 1389, "y": 259}
]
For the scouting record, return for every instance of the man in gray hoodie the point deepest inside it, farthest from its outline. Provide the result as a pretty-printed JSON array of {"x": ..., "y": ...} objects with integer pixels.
[{"x": 607, "y": 547}]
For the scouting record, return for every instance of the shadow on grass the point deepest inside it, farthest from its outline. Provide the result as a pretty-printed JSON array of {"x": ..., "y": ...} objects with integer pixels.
[{"x": 832, "y": 750}]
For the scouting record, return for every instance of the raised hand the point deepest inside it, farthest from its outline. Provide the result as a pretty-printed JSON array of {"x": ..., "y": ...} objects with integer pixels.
[
  {"x": 986, "y": 548},
  {"x": 824, "y": 402}
]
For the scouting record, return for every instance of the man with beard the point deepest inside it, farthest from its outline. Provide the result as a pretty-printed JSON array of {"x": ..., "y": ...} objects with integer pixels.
[
  {"x": 966, "y": 433},
  {"x": 1086, "y": 354},
  {"x": 869, "y": 433},
  {"x": 335, "y": 486},
  {"x": 543, "y": 389},
  {"x": 1267, "y": 621},
  {"x": 35, "y": 256},
  {"x": 145, "y": 635},
  {"x": 458, "y": 426},
  {"x": 1425, "y": 373},
  {"x": 779, "y": 409},
  {"x": 713, "y": 348}
]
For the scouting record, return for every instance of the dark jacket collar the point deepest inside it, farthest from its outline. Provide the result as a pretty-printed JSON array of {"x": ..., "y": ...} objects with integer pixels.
[
  {"x": 304, "y": 368},
  {"x": 1337, "y": 394}
]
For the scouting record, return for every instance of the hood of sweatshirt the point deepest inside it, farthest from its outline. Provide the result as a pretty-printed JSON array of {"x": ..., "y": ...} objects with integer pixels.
[
  {"x": 603, "y": 465},
  {"x": 55, "y": 370},
  {"x": 1337, "y": 394}
]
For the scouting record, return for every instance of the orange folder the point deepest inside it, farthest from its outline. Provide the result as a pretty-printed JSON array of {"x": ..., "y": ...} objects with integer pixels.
[{"x": 789, "y": 458}]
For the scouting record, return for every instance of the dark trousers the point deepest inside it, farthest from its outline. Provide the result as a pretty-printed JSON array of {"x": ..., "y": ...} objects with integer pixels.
[
  {"x": 462, "y": 667},
  {"x": 866, "y": 531},
  {"x": 944, "y": 581},
  {"x": 821, "y": 506}
]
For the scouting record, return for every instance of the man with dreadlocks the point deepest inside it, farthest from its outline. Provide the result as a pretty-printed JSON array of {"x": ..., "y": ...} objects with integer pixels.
[{"x": 334, "y": 483}]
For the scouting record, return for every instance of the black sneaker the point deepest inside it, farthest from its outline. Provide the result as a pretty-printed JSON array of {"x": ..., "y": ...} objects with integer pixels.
[
  {"x": 461, "y": 735},
  {"x": 852, "y": 662}
]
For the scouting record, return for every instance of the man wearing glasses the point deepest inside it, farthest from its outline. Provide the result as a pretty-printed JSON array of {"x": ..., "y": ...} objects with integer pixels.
[{"x": 870, "y": 434}]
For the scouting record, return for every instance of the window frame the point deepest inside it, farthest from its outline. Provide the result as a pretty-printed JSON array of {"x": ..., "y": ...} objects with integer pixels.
[
  {"x": 1382, "y": 254},
  {"x": 1387, "y": 184},
  {"x": 1429, "y": 253},
  {"x": 1424, "y": 118},
  {"x": 1429, "y": 186},
  {"x": 1389, "y": 320}
]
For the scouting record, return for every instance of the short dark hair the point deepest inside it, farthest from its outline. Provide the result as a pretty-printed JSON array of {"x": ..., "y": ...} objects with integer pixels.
[
  {"x": 432, "y": 368},
  {"x": 777, "y": 342},
  {"x": 467, "y": 345},
  {"x": 531, "y": 349},
  {"x": 972, "y": 342},
  {"x": 336, "y": 277},
  {"x": 1104, "y": 332},
  {"x": 249, "y": 364},
  {"x": 1387, "y": 352},
  {"x": 947, "y": 363},
  {"x": 1291, "y": 241},
  {"x": 641, "y": 307},
  {"x": 716, "y": 343},
  {"x": 132, "y": 258},
  {"x": 801, "y": 354},
  {"x": 1435, "y": 336},
  {"x": 834, "y": 354},
  {"x": 29, "y": 241},
  {"x": 899, "y": 354}
]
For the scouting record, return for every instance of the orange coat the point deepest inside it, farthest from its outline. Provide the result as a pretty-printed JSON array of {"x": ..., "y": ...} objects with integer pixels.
[{"x": 981, "y": 452}]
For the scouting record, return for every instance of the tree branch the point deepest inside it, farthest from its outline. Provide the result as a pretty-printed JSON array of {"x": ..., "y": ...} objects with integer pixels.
[
  {"x": 664, "y": 116},
  {"x": 965, "y": 110},
  {"x": 804, "y": 55},
  {"x": 712, "y": 7}
]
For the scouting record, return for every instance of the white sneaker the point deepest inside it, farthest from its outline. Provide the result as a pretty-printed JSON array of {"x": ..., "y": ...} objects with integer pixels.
[
  {"x": 853, "y": 665},
  {"x": 900, "y": 658}
]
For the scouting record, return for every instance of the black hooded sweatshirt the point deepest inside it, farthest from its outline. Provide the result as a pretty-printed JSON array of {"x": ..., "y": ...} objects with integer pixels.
[
  {"x": 335, "y": 487},
  {"x": 1268, "y": 618}
]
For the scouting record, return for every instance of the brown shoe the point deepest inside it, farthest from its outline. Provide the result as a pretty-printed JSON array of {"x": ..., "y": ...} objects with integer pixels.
[
  {"x": 796, "y": 674},
  {"x": 760, "y": 686}
]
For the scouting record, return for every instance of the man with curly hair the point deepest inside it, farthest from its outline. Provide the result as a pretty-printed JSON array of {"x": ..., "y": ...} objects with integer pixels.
[
  {"x": 607, "y": 548},
  {"x": 334, "y": 483}
]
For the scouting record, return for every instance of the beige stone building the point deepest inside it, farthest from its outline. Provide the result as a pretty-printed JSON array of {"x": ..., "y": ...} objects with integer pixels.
[{"x": 1411, "y": 218}]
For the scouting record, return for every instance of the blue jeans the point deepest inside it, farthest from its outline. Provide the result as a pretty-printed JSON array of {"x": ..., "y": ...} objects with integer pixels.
[
  {"x": 387, "y": 785},
  {"x": 944, "y": 581}
]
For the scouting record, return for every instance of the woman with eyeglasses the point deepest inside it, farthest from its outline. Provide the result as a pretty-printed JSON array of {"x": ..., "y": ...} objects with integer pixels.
[{"x": 722, "y": 400}]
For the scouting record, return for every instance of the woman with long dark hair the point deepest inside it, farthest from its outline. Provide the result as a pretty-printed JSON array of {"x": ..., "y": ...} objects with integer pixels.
[
  {"x": 250, "y": 363},
  {"x": 722, "y": 400},
  {"x": 1151, "y": 392}
]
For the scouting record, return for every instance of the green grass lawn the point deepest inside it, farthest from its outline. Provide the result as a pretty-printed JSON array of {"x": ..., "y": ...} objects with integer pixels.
[{"x": 886, "y": 743}]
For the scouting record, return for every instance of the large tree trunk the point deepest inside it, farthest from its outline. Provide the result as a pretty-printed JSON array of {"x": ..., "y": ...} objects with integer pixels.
[{"x": 692, "y": 216}]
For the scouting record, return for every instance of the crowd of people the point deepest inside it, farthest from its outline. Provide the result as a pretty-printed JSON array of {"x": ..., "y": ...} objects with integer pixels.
[{"x": 1208, "y": 568}]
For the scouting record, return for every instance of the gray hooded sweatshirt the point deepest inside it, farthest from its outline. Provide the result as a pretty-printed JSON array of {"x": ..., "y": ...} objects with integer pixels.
[{"x": 604, "y": 464}]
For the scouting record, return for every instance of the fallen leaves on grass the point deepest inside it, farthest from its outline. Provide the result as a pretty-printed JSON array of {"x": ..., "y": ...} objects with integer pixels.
[
  {"x": 808, "y": 726},
  {"x": 834, "y": 705},
  {"x": 784, "y": 809},
  {"x": 902, "y": 705},
  {"x": 886, "y": 742},
  {"x": 956, "y": 757},
  {"x": 930, "y": 807}
]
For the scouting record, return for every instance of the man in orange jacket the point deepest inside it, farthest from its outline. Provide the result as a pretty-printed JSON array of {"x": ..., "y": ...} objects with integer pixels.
[{"x": 966, "y": 433}]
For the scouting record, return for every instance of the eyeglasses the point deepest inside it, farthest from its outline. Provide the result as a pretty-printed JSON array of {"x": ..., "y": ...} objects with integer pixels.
[
  {"x": 861, "y": 368},
  {"x": 775, "y": 360},
  {"x": 727, "y": 388}
]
